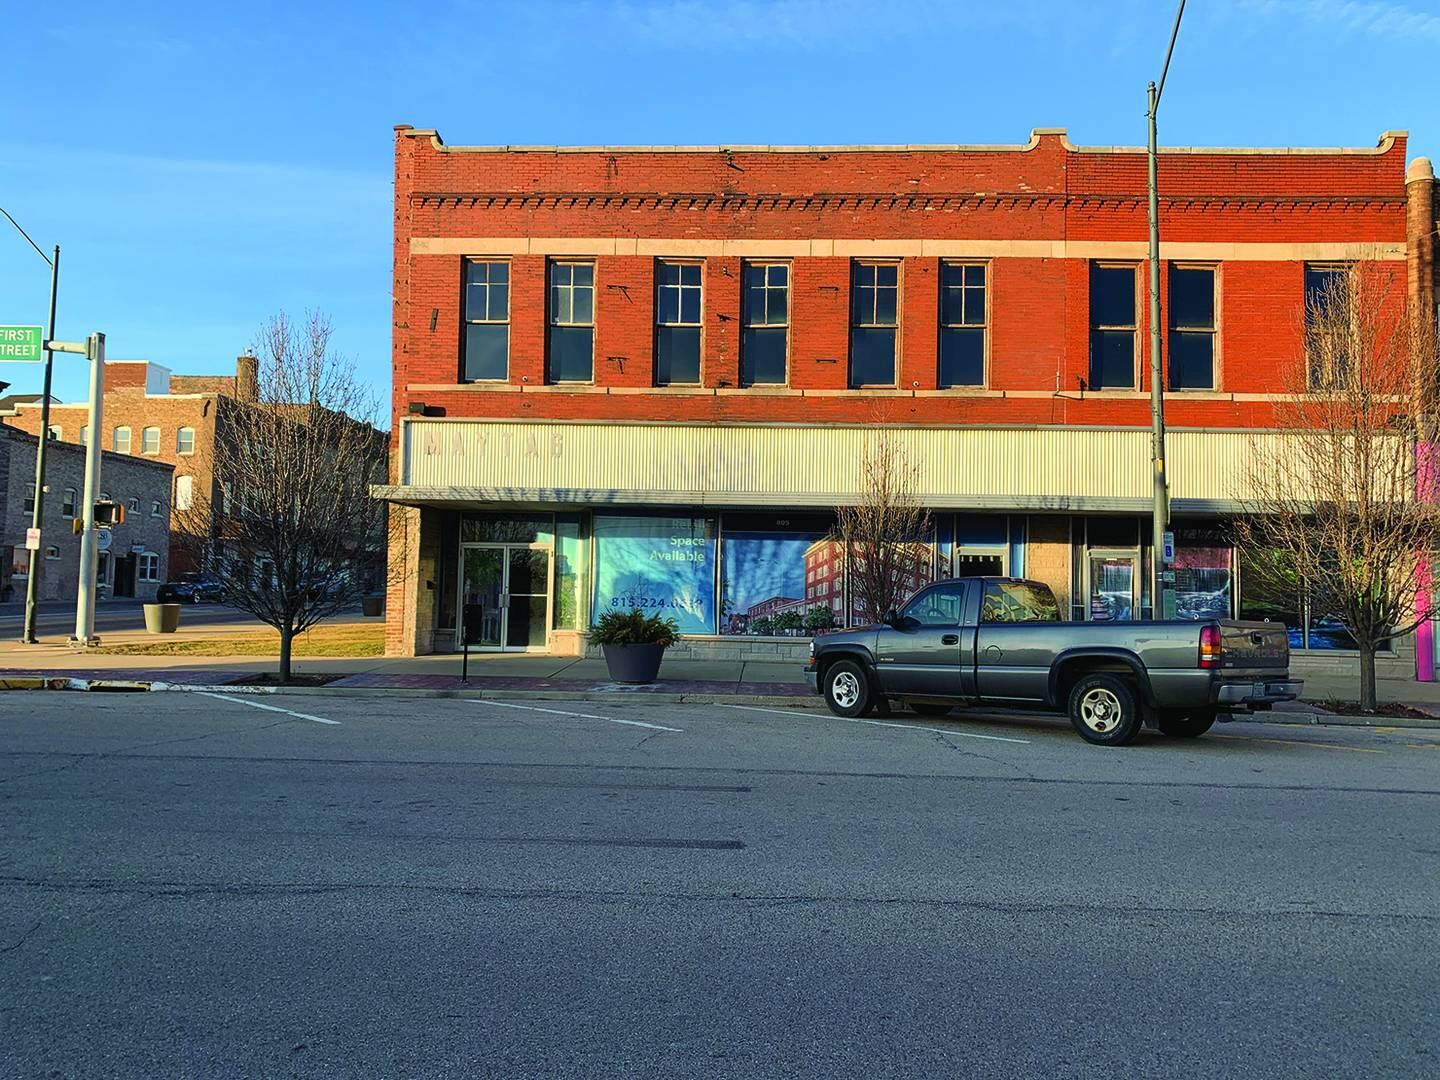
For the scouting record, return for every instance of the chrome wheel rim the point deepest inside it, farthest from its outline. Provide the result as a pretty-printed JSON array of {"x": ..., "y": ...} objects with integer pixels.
[
  {"x": 845, "y": 689},
  {"x": 1100, "y": 710}
]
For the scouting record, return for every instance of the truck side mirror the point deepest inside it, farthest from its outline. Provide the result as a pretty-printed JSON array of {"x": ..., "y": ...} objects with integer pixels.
[{"x": 891, "y": 618}]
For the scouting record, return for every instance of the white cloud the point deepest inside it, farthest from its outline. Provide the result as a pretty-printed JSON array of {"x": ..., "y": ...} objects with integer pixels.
[{"x": 1374, "y": 18}]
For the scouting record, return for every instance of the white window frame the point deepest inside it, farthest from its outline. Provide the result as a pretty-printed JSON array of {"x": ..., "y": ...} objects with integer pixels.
[
  {"x": 145, "y": 447},
  {"x": 1133, "y": 328},
  {"x": 148, "y": 568},
  {"x": 180, "y": 434},
  {"x": 115, "y": 439}
]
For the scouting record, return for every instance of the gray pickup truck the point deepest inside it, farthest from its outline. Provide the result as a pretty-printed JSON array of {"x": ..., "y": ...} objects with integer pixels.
[{"x": 1000, "y": 641}]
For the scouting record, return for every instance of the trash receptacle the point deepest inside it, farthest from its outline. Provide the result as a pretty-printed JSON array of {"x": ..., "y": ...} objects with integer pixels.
[{"x": 162, "y": 618}]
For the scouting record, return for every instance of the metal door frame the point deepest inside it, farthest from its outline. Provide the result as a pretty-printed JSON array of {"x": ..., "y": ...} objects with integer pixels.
[
  {"x": 1134, "y": 555},
  {"x": 505, "y": 548}
]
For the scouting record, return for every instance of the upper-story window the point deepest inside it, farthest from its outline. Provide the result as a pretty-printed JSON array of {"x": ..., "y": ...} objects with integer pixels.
[
  {"x": 677, "y": 323},
  {"x": 150, "y": 440},
  {"x": 572, "y": 322},
  {"x": 157, "y": 508},
  {"x": 184, "y": 492},
  {"x": 185, "y": 440},
  {"x": 766, "y": 318},
  {"x": 874, "y": 323},
  {"x": 132, "y": 505},
  {"x": 1327, "y": 291},
  {"x": 121, "y": 443},
  {"x": 487, "y": 320},
  {"x": 29, "y": 507},
  {"x": 962, "y": 324},
  {"x": 56, "y": 432},
  {"x": 1112, "y": 326},
  {"x": 67, "y": 504},
  {"x": 1192, "y": 328}
]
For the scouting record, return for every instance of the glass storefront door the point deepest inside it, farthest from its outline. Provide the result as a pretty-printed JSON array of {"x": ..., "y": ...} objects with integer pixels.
[
  {"x": 505, "y": 596},
  {"x": 1112, "y": 583}
]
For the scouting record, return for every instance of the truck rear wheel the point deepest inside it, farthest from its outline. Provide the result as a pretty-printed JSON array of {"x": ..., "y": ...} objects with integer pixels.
[
  {"x": 1104, "y": 710},
  {"x": 848, "y": 691},
  {"x": 1186, "y": 725}
]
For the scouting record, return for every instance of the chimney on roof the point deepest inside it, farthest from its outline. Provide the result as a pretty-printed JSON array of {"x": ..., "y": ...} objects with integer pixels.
[{"x": 247, "y": 377}]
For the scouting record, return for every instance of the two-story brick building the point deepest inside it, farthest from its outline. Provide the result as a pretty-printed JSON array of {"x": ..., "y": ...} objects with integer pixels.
[
  {"x": 137, "y": 553},
  {"x": 645, "y": 375}
]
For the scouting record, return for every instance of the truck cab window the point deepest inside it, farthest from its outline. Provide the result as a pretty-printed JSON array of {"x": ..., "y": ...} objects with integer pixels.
[
  {"x": 1018, "y": 601},
  {"x": 939, "y": 605}
]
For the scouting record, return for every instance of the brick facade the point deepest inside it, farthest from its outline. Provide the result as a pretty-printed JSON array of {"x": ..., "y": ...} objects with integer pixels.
[{"x": 143, "y": 485}]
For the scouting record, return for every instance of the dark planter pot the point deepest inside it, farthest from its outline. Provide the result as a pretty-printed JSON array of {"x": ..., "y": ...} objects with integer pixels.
[
  {"x": 633, "y": 663},
  {"x": 372, "y": 606}
]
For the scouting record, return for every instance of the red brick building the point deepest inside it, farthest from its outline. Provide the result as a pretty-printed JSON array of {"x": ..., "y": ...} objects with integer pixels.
[{"x": 606, "y": 355}]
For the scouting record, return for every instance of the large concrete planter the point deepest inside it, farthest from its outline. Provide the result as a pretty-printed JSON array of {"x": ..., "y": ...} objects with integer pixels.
[
  {"x": 633, "y": 663},
  {"x": 372, "y": 606},
  {"x": 162, "y": 618}
]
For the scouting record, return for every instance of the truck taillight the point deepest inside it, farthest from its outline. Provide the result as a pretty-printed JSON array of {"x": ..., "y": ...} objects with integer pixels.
[{"x": 1209, "y": 646}]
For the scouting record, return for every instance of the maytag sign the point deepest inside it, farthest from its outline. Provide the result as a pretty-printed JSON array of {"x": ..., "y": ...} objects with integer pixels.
[{"x": 21, "y": 344}]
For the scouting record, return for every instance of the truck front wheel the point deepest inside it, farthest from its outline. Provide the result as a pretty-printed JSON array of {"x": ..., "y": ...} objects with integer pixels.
[
  {"x": 1104, "y": 710},
  {"x": 847, "y": 689},
  {"x": 1186, "y": 725}
]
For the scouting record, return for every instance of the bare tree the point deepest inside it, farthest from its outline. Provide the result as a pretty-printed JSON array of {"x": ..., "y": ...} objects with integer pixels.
[
  {"x": 885, "y": 535},
  {"x": 1341, "y": 512},
  {"x": 288, "y": 525}
]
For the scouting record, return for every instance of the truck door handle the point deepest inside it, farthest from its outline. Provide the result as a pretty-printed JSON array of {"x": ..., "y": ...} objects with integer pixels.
[{"x": 950, "y": 639}]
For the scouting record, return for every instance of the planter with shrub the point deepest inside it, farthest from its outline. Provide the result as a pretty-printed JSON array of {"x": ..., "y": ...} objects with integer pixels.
[{"x": 633, "y": 643}]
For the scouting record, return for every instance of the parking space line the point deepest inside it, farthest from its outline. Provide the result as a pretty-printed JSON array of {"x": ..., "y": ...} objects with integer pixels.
[
  {"x": 1299, "y": 742},
  {"x": 882, "y": 723},
  {"x": 579, "y": 715},
  {"x": 267, "y": 708}
]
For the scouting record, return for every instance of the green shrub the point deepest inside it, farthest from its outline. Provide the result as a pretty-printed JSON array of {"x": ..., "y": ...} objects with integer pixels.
[{"x": 634, "y": 627}]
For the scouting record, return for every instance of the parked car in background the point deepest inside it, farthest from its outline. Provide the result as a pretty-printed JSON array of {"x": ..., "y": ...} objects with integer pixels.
[
  {"x": 193, "y": 588},
  {"x": 1000, "y": 641}
]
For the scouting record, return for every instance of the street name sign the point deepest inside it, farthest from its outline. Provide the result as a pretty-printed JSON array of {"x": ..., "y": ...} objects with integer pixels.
[{"x": 21, "y": 344}]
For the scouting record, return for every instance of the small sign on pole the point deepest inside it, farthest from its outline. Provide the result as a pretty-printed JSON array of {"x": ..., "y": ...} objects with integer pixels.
[
  {"x": 1169, "y": 555},
  {"x": 22, "y": 344},
  {"x": 32, "y": 539}
]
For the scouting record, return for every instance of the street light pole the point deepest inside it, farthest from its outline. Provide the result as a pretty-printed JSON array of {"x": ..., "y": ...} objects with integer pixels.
[
  {"x": 32, "y": 582},
  {"x": 1160, "y": 510}
]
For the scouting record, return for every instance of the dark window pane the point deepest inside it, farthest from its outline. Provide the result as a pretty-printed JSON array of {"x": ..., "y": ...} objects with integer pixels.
[
  {"x": 499, "y": 302},
  {"x": 584, "y": 273},
  {"x": 1112, "y": 359},
  {"x": 477, "y": 273},
  {"x": 677, "y": 355},
  {"x": 864, "y": 275},
  {"x": 872, "y": 357},
  {"x": 862, "y": 306},
  {"x": 1112, "y": 296},
  {"x": 584, "y": 305},
  {"x": 560, "y": 308},
  {"x": 571, "y": 354},
  {"x": 1192, "y": 299},
  {"x": 762, "y": 356},
  {"x": 690, "y": 306},
  {"x": 1320, "y": 285},
  {"x": 1192, "y": 361},
  {"x": 962, "y": 357},
  {"x": 560, "y": 273},
  {"x": 487, "y": 350},
  {"x": 974, "y": 306},
  {"x": 779, "y": 312},
  {"x": 777, "y": 275},
  {"x": 669, "y": 309},
  {"x": 887, "y": 274},
  {"x": 669, "y": 273},
  {"x": 885, "y": 301},
  {"x": 952, "y": 306},
  {"x": 690, "y": 274},
  {"x": 755, "y": 275},
  {"x": 974, "y": 275},
  {"x": 754, "y": 305},
  {"x": 500, "y": 273}
]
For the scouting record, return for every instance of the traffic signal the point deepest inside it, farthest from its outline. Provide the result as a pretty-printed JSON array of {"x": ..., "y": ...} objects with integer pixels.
[{"x": 109, "y": 514}]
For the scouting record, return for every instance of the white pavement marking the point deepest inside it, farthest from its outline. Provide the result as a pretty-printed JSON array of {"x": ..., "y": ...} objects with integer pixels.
[
  {"x": 579, "y": 715},
  {"x": 268, "y": 708},
  {"x": 880, "y": 723}
]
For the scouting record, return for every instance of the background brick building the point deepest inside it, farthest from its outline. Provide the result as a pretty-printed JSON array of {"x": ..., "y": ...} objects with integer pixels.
[
  {"x": 607, "y": 339},
  {"x": 139, "y": 556}
]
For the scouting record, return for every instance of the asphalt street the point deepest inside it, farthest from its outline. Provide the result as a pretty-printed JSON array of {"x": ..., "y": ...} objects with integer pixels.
[
  {"x": 314, "y": 885},
  {"x": 111, "y": 616}
]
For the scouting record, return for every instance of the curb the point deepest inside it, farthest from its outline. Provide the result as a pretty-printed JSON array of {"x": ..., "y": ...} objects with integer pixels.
[{"x": 1296, "y": 719}]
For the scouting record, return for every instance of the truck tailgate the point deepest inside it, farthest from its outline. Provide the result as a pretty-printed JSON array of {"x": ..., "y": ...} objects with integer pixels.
[{"x": 1252, "y": 646}]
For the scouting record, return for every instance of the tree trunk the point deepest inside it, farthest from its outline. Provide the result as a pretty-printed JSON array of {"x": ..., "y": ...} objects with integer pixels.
[
  {"x": 287, "y": 637},
  {"x": 1367, "y": 676}
]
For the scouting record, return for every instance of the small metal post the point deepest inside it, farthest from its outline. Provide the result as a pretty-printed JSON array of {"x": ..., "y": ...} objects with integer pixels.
[
  {"x": 89, "y": 545},
  {"x": 32, "y": 583}
]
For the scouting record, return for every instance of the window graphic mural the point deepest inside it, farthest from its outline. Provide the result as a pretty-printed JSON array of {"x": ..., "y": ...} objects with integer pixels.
[
  {"x": 780, "y": 577},
  {"x": 664, "y": 566}
]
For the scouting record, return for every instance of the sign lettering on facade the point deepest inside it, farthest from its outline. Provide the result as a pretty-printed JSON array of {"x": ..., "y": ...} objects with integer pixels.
[{"x": 21, "y": 344}]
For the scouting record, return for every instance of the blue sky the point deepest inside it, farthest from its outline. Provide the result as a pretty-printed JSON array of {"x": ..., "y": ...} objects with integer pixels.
[{"x": 204, "y": 165}]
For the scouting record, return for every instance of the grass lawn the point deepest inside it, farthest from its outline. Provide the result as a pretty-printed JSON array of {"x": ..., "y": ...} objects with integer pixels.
[{"x": 344, "y": 639}]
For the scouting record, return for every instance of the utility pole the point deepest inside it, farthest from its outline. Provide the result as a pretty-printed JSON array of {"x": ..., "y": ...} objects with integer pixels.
[
  {"x": 1160, "y": 511},
  {"x": 32, "y": 582},
  {"x": 93, "y": 349}
]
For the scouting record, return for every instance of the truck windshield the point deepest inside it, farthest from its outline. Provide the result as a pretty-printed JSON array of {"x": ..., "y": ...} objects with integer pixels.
[{"x": 1018, "y": 601}]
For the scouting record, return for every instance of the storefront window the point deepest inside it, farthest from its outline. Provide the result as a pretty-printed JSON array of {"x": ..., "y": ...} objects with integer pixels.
[
  {"x": 569, "y": 570},
  {"x": 781, "y": 576},
  {"x": 501, "y": 528},
  {"x": 664, "y": 565},
  {"x": 1112, "y": 587},
  {"x": 912, "y": 564},
  {"x": 1204, "y": 579},
  {"x": 1270, "y": 592}
]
